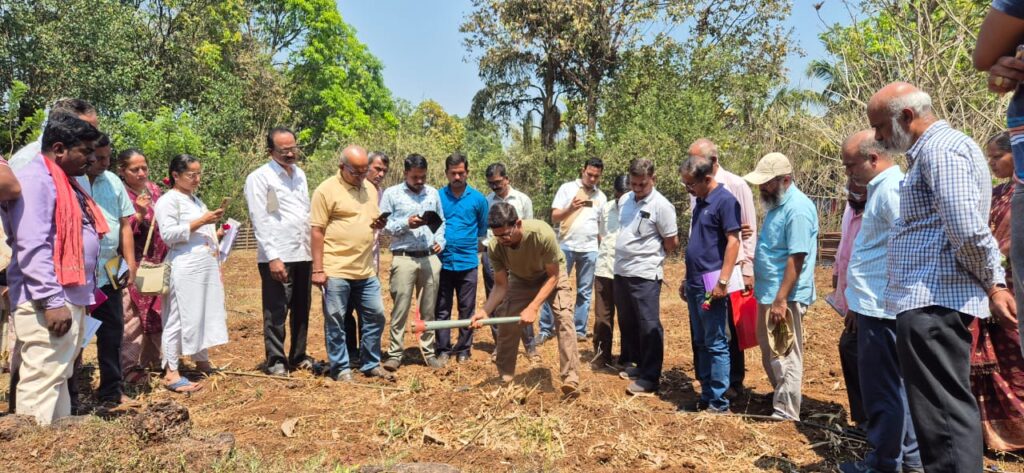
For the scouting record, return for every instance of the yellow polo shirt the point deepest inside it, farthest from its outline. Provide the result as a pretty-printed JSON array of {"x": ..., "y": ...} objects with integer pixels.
[{"x": 345, "y": 212}]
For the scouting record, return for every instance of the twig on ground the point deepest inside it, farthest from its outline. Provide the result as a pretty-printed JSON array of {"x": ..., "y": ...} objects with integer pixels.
[{"x": 286, "y": 378}]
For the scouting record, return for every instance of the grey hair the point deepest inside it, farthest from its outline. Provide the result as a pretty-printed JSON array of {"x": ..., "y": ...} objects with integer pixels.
[
  {"x": 868, "y": 147},
  {"x": 697, "y": 167},
  {"x": 919, "y": 101}
]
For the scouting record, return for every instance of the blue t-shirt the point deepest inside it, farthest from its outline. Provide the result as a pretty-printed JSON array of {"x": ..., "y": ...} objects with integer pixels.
[
  {"x": 788, "y": 229},
  {"x": 465, "y": 220},
  {"x": 1015, "y": 113},
  {"x": 1013, "y": 8},
  {"x": 713, "y": 218}
]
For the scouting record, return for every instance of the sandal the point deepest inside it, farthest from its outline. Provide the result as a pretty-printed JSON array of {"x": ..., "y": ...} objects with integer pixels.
[
  {"x": 183, "y": 386},
  {"x": 206, "y": 368}
]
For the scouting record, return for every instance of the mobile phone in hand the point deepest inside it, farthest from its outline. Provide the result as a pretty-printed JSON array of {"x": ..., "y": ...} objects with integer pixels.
[
  {"x": 588, "y": 203},
  {"x": 224, "y": 203}
]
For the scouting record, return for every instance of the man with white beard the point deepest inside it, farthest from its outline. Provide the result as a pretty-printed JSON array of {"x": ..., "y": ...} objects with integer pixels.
[{"x": 944, "y": 271}]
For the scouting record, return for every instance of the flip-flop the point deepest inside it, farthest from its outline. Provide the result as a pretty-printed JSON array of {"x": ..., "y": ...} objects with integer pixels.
[{"x": 183, "y": 386}]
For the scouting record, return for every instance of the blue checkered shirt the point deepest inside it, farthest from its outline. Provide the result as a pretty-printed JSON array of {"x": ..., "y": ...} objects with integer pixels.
[{"x": 942, "y": 251}]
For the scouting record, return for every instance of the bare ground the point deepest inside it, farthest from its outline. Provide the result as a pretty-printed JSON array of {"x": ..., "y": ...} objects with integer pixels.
[{"x": 459, "y": 415}]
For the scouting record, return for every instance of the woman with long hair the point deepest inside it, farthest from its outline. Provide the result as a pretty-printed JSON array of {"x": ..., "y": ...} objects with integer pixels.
[{"x": 194, "y": 315}]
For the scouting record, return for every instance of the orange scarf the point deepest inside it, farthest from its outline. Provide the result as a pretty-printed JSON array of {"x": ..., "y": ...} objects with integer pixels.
[{"x": 68, "y": 249}]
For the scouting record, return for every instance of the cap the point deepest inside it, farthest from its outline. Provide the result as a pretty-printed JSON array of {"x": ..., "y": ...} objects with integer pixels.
[{"x": 770, "y": 166}]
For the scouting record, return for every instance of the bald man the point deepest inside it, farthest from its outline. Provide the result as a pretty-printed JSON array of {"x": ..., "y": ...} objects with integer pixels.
[
  {"x": 944, "y": 271},
  {"x": 344, "y": 213},
  {"x": 870, "y": 328},
  {"x": 707, "y": 149}
]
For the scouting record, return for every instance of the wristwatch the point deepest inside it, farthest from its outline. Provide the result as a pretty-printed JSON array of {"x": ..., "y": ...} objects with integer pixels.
[{"x": 723, "y": 282}]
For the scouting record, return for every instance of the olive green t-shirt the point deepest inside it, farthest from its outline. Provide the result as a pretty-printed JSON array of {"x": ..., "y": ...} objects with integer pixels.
[{"x": 538, "y": 248}]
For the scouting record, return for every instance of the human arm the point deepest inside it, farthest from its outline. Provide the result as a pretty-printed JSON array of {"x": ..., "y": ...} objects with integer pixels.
[
  {"x": 1000, "y": 33},
  {"x": 439, "y": 240},
  {"x": 256, "y": 191},
  {"x": 128, "y": 249},
  {"x": 794, "y": 264},
  {"x": 529, "y": 315},
  {"x": 565, "y": 203},
  {"x": 316, "y": 244},
  {"x": 498, "y": 293},
  {"x": 748, "y": 238},
  {"x": 10, "y": 188},
  {"x": 732, "y": 250}
]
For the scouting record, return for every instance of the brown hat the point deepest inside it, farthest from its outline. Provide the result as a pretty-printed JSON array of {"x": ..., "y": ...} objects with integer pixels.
[{"x": 781, "y": 336}]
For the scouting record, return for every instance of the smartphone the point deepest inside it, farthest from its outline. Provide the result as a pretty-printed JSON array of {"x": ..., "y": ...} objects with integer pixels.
[
  {"x": 224, "y": 203},
  {"x": 384, "y": 215},
  {"x": 588, "y": 203}
]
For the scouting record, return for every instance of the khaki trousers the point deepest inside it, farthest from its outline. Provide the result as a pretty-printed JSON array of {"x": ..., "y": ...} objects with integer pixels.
[
  {"x": 410, "y": 275},
  {"x": 520, "y": 294},
  {"x": 785, "y": 373},
  {"x": 47, "y": 362}
]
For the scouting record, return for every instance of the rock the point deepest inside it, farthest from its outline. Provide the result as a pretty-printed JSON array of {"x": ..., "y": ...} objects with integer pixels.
[{"x": 412, "y": 468}]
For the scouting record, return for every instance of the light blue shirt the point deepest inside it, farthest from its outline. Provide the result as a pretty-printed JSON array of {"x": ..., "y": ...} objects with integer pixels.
[
  {"x": 789, "y": 229},
  {"x": 404, "y": 203},
  {"x": 866, "y": 275},
  {"x": 109, "y": 193},
  {"x": 942, "y": 251}
]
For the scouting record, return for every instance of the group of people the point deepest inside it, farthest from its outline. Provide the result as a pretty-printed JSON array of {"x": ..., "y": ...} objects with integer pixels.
[{"x": 922, "y": 273}]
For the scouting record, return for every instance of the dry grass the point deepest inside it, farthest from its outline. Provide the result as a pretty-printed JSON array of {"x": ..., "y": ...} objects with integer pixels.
[{"x": 462, "y": 415}]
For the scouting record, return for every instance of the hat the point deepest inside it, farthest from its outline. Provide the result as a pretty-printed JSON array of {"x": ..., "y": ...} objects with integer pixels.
[
  {"x": 781, "y": 336},
  {"x": 770, "y": 166}
]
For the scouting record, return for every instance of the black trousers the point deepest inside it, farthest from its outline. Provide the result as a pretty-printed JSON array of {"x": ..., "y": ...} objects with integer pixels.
[
  {"x": 289, "y": 300},
  {"x": 737, "y": 363},
  {"x": 934, "y": 345},
  {"x": 108, "y": 349},
  {"x": 459, "y": 285},
  {"x": 604, "y": 318},
  {"x": 488, "y": 274},
  {"x": 643, "y": 339},
  {"x": 851, "y": 374}
]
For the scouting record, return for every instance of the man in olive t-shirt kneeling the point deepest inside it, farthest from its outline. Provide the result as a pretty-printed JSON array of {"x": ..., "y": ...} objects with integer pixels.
[{"x": 528, "y": 271}]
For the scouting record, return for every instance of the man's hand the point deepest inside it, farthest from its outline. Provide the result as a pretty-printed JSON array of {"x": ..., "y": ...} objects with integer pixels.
[
  {"x": 577, "y": 202},
  {"x": 480, "y": 315},
  {"x": 129, "y": 279},
  {"x": 850, "y": 321},
  {"x": 1004, "y": 309},
  {"x": 379, "y": 222},
  {"x": 528, "y": 316},
  {"x": 416, "y": 222},
  {"x": 719, "y": 291},
  {"x": 746, "y": 231},
  {"x": 319, "y": 278},
  {"x": 682, "y": 290},
  {"x": 277, "y": 271},
  {"x": 777, "y": 313},
  {"x": 748, "y": 283},
  {"x": 58, "y": 320},
  {"x": 211, "y": 217},
  {"x": 1005, "y": 74},
  {"x": 435, "y": 249}
]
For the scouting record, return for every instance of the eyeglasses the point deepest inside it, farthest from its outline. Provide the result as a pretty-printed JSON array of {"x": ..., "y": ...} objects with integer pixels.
[
  {"x": 351, "y": 170},
  {"x": 292, "y": 150},
  {"x": 192, "y": 175},
  {"x": 504, "y": 236},
  {"x": 493, "y": 184}
]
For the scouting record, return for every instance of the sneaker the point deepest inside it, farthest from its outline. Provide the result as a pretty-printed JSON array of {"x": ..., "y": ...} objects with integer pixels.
[
  {"x": 570, "y": 389},
  {"x": 642, "y": 387},
  {"x": 630, "y": 372},
  {"x": 602, "y": 366},
  {"x": 856, "y": 467},
  {"x": 433, "y": 362},
  {"x": 306, "y": 364},
  {"x": 506, "y": 378},
  {"x": 391, "y": 364},
  {"x": 581, "y": 338},
  {"x": 443, "y": 359},
  {"x": 699, "y": 406},
  {"x": 343, "y": 377},
  {"x": 378, "y": 372},
  {"x": 543, "y": 338},
  {"x": 462, "y": 357},
  {"x": 277, "y": 369}
]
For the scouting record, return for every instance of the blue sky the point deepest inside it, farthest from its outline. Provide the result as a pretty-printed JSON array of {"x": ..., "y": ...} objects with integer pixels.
[{"x": 421, "y": 47}]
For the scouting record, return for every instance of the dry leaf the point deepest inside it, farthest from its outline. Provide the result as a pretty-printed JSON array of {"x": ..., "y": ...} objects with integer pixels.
[{"x": 288, "y": 426}]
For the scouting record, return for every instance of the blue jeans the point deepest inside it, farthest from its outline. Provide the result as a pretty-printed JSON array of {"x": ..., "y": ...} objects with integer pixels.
[
  {"x": 710, "y": 329},
  {"x": 364, "y": 295},
  {"x": 586, "y": 264},
  {"x": 889, "y": 428}
]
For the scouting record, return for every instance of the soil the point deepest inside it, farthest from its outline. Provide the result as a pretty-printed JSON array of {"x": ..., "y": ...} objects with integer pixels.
[{"x": 459, "y": 418}]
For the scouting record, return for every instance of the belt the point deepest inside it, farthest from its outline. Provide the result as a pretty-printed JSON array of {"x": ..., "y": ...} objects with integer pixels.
[{"x": 411, "y": 254}]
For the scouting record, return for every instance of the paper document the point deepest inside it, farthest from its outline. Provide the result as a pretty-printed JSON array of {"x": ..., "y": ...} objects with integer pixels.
[
  {"x": 229, "y": 239},
  {"x": 735, "y": 280},
  {"x": 91, "y": 326}
]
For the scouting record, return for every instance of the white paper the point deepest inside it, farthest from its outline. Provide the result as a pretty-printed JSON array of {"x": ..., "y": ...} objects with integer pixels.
[
  {"x": 229, "y": 239},
  {"x": 735, "y": 280},
  {"x": 121, "y": 271},
  {"x": 91, "y": 326}
]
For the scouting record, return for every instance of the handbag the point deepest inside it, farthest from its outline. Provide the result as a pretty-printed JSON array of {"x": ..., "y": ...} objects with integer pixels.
[{"x": 152, "y": 279}]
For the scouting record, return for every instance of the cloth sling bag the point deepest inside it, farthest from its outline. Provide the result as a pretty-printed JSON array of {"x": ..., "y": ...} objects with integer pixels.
[{"x": 152, "y": 279}]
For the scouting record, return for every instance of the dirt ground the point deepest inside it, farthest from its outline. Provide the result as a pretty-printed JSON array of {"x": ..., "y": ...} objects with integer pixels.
[{"x": 459, "y": 415}]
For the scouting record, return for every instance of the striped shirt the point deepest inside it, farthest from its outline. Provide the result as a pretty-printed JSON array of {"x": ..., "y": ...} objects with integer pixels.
[
  {"x": 866, "y": 275},
  {"x": 942, "y": 251}
]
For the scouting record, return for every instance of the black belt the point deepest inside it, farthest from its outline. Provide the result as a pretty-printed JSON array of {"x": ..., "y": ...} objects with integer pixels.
[{"x": 411, "y": 254}]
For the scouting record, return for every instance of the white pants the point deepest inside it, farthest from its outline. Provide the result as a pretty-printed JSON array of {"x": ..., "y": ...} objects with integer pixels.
[
  {"x": 171, "y": 341},
  {"x": 47, "y": 362}
]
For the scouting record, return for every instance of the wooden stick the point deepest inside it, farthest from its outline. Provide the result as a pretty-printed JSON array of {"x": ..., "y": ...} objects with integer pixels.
[{"x": 285, "y": 378}]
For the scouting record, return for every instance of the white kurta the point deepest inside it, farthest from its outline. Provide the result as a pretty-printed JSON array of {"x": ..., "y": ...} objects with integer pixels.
[{"x": 194, "y": 307}]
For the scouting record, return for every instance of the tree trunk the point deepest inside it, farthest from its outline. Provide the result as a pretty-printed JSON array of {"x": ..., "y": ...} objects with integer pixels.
[{"x": 549, "y": 120}]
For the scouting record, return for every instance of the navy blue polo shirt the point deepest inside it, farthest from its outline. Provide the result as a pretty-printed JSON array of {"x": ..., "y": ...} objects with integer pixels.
[{"x": 713, "y": 218}]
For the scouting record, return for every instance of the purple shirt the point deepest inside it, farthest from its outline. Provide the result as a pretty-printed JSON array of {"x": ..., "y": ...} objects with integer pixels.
[{"x": 28, "y": 222}]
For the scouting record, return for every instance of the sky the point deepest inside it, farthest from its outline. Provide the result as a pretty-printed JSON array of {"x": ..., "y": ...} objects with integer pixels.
[{"x": 424, "y": 58}]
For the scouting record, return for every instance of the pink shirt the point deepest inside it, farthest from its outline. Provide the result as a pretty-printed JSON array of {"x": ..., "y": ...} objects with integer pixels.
[{"x": 850, "y": 228}]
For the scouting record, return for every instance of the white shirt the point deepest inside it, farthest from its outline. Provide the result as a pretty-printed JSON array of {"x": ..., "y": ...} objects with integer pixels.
[
  {"x": 518, "y": 200},
  {"x": 644, "y": 226},
  {"x": 582, "y": 235},
  {"x": 606, "y": 255},
  {"x": 279, "y": 210},
  {"x": 25, "y": 154}
]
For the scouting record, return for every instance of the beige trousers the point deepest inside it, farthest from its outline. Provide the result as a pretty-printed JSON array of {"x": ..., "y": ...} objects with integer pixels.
[
  {"x": 520, "y": 294},
  {"x": 786, "y": 373},
  {"x": 410, "y": 276},
  {"x": 47, "y": 362}
]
